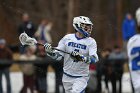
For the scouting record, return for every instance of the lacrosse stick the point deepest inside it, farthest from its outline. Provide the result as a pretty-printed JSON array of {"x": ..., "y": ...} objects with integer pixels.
[{"x": 26, "y": 40}]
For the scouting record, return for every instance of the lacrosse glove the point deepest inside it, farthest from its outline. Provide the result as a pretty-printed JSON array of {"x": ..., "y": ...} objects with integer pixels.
[
  {"x": 48, "y": 48},
  {"x": 76, "y": 56}
]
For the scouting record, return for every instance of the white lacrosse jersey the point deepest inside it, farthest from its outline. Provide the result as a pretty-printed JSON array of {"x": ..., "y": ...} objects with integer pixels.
[
  {"x": 133, "y": 49},
  {"x": 85, "y": 46}
]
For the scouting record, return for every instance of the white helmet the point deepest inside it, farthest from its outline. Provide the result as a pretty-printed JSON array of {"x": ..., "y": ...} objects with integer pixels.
[
  {"x": 138, "y": 16},
  {"x": 82, "y": 24}
]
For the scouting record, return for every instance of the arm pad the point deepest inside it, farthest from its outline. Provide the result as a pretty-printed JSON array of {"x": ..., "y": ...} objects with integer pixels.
[
  {"x": 55, "y": 56},
  {"x": 90, "y": 60}
]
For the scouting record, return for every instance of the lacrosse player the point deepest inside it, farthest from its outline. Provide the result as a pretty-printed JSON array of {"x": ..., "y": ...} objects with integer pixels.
[
  {"x": 83, "y": 51},
  {"x": 133, "y": 49}
]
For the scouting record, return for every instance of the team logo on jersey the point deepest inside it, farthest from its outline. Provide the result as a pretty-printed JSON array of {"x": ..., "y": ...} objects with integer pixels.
[{"x": 81, "y": 46}]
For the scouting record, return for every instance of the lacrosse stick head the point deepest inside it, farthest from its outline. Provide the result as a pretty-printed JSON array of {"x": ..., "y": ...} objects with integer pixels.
[{"x": 26, "y": 40}]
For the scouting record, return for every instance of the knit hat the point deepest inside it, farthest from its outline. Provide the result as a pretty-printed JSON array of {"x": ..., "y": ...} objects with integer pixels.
[{"x": 2, "y": 41}]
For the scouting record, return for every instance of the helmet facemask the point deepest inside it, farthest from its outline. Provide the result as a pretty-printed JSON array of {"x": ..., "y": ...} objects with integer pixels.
[{"x": 86, "y": 27}]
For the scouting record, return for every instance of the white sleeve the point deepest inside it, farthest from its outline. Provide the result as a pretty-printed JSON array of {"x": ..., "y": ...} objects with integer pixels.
[
  {"x": 93, "y": 50},
  {"x": 129, "y": 46},
  {"x": 61, "y": 46},
  {"x": 128, "y": 52}
]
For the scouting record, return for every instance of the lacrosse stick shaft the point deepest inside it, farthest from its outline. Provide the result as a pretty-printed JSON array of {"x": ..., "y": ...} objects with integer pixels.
[
  {"x": 60, "y": 50},
  {"x": 26, "y": 40},
  {"x": 54, "y": 48}
]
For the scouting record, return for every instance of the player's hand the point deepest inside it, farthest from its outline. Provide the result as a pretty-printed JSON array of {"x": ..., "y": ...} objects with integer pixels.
[
  {"x": 48, "y": 48},
  {"x": 76, "y": 56}
]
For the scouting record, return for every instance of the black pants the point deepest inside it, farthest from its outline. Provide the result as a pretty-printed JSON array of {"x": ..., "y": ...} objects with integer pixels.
[
  {"x": 119, "y": 79},
  {"x": 41, "y": 84},
  {"x": 99, "y": 80},
  {"x": 7, "y": 76},
  {"x": 114, "y": 78},
  {"x": 58, "y": 67},
  {"x": 110, "y": 75},
  {"x": 41, "y": 77}
]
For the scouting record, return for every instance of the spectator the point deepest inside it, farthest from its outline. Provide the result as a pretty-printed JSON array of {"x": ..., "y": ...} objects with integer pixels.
[
  {"x": 41, "y": 75},
  {"x": 128, "y": 29},
  {"x": 26, "y": 26},
  {"x": 43, "y": 32},
  {"x": 28, "y": 70},
  {"x": 106, "y": 67},
  {"x": 117, "y": 58},
  {"x": 5, "y": 54},
  {"x": 41, "y": 70},
  {"x": 44, "y": 35}
]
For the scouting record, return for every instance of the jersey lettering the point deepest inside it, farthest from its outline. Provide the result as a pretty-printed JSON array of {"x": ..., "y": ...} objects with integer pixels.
[{"x": 76, "y": 45}]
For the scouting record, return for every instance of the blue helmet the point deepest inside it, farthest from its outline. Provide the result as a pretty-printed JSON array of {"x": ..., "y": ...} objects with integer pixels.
[{"x": 82, "y": 24}]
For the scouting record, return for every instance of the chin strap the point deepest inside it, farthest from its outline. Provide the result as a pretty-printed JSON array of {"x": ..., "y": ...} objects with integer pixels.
[{"x": 86, "y": 34}]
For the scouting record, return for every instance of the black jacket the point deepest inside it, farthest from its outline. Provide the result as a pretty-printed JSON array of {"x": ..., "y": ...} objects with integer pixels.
[{"x": 27, "y": 27}]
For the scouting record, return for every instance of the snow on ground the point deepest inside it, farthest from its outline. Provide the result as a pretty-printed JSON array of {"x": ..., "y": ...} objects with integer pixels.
[{"x": 16, "y": 81}]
